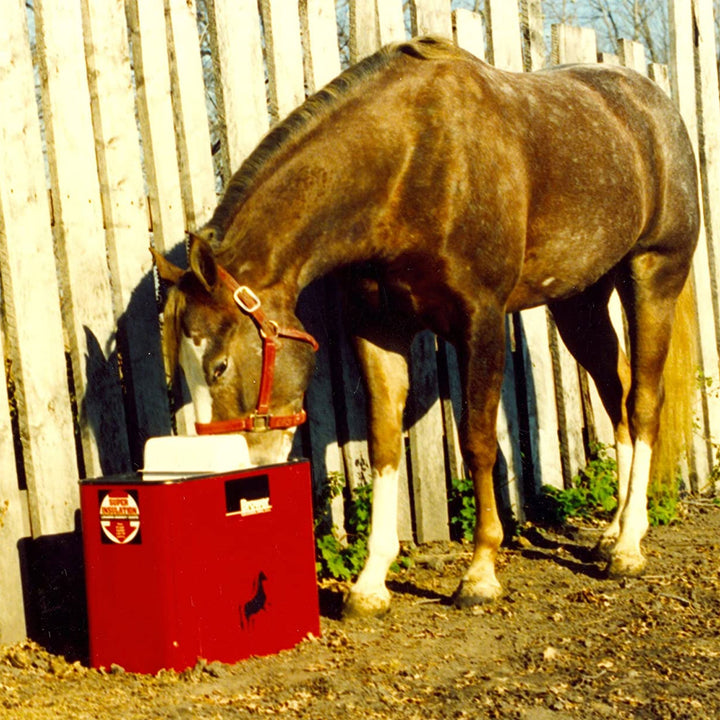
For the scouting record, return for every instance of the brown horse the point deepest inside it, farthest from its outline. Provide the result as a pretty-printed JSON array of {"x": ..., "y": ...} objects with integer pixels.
[{"x": 447, "y": 193}]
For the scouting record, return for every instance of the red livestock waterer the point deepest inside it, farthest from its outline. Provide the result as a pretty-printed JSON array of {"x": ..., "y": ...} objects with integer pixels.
[{"x": 219, "y": 567}]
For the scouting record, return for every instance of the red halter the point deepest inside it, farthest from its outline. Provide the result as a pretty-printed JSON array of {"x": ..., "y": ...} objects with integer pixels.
[{"x": 269, "y": 331}]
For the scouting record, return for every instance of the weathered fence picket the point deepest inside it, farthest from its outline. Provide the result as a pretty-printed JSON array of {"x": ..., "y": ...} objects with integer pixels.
[
  {"x": 12, "y": 527},
  {"x": 151, "y": 105},
  {"x": 364, "y": 29},
  {"x": 709, "y": 104},
  {"x": 125, "y": 217},
  {"x": 685, "y": 92},
  {"x": 87, "y": 301},
  {"x": 146, "y": 22},
  {"x": 322, "y": 58},
  {"x": 33, "y": 330},
  {"x": 391, "y": 21},
  {"x": 530, "y": 326},
  {"x": 431, "y": 17},
  {"x": 238, "y": 63},
  {"x": 573, "y": 45},
  {"x": 469, "y": 32}
]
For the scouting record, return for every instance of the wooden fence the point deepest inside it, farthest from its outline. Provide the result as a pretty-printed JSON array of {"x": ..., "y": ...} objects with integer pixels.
[{"x": 146, "y": 107}]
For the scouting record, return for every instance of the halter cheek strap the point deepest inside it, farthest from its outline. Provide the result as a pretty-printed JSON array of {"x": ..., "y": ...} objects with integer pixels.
[{"x": 269, "y": 331}]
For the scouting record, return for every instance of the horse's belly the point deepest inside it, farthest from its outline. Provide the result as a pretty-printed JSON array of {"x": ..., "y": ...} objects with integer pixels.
[{"x": 560, "y": 270}]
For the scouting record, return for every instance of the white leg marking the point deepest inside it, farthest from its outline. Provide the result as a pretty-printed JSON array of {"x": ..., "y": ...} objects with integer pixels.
[
  {"x": 369, "y": 596},
  {"x": 191, "y": 356},
  {"x": 626, "y": 556}
]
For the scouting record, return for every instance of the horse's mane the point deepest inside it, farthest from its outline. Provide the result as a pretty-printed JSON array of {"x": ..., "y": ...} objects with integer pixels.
[{"x": 315, "y": 107}]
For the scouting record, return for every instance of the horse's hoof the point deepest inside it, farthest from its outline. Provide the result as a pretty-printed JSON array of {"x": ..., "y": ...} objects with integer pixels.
[
  {"x": 471, "y": 593},
  {"x": 625, "y": 565},
  {"x": 604, "y": 547},
  {"x": 358, "y": 605}
]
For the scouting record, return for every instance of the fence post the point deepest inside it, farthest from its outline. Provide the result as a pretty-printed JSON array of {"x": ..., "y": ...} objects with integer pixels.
[
  {"x": 608, "y": 58},
  {"x": 80, "y": 240},
  {"x": 531, "y": 328},
  {"x": 632, "y": 55},
  {"x": 283, "y": 54},
  {"x": 31, "y": 306},
  {"x": 533, "y": 33},
  {"x": 146, "y": 21},
  {"x": 12, "y": 513},
  {"x": 431, "y": 17},
  {"x": 197, "y": 174},
  {"x": 579, "y": 45},
  {"x": 660, "y": 74},
  {"x": 504, "y": 43},
  {"x": 427, "y": 459},
  {"x": 573, "y": 45},
  {"x": 709, "y": 107},
  {"x": 149, "y": 47},
  {"x": 126, "y": 223},
  {"x": 364, "y": 31},
  {"x": 320, "y": 40},
  {"x": 191, "y": 129},
  {"x": 240, "y": 75},
  {"x": 684, "y": 90},
  {"x": 469, "y": 32},
  {"x": 391, "y": 21},
  {"x": 380, "y": 19},
  {"x": 322, "y": 64}
]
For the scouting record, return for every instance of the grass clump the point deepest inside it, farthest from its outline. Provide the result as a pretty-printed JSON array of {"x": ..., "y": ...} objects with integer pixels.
[{"x": 593, "y": 495}]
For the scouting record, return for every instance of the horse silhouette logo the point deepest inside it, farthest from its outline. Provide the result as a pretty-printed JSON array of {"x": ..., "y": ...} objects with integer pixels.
[{"x": 257, "y": 603}]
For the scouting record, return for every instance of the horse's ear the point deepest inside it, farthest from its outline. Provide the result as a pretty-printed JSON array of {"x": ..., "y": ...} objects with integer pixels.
[
  {"x": 166, "y": 270},
  {"x": 202, "y": 262}
]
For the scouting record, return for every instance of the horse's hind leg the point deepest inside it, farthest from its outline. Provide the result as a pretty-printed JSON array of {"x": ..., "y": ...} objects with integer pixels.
[
  {"x": 386, "y": 375},
  {"x": 583, "y": 322},
  {"x": 649, "y": 295}
]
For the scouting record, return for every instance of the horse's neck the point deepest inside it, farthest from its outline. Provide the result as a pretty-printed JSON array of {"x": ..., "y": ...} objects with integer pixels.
[{"x": 301, "y": 252}]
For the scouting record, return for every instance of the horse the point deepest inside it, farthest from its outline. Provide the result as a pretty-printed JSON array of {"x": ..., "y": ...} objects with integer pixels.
[
  {"x": 446, "y": 193},
  {"x": 256, "y": 603}
]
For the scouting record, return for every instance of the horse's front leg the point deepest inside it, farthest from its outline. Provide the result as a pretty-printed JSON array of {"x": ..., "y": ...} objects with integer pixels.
[
  {"x": 386, "y": 374},
  {"x": 482, "y": 362}
]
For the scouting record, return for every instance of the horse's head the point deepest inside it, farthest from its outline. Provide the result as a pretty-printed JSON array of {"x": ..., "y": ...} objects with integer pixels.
[{"x": 246, "y": 359}]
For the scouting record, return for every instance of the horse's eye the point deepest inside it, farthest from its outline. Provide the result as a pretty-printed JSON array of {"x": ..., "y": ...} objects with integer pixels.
[{"x": 220, "y": 368}]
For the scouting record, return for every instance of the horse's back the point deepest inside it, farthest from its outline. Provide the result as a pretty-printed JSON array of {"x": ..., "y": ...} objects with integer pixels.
[
  {"x": 611, "y": 172},
  {"x": 546, "y": 181},
  {"x": 664, "y": 161}
]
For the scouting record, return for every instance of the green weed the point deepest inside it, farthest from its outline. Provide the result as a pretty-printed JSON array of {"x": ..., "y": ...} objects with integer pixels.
[
  {"x": 593, "y": 494},
  {"x": 344, "y": 560},
  {"x": 663, "y": 507},
  {"x": 462, "y": 508}
]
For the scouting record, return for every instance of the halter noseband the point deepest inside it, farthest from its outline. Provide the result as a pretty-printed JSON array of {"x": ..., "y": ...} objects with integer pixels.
[{"x": 269, "y": 331}]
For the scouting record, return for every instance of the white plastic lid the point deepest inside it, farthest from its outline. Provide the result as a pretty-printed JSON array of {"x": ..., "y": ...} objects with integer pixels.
[{"x": 170, "y": 457}]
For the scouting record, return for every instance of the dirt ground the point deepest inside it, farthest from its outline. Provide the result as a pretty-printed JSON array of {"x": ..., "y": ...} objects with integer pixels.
[{"x": 563, "y": 643}]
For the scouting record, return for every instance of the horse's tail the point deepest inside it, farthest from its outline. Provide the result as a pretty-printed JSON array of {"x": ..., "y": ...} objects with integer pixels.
[{"x": 676, "y": 419}]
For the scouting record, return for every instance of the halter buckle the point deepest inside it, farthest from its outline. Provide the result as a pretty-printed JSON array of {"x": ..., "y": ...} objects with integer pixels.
[
  {"x": 254, "y": 301},
  {"x": 259, "y": 423}
]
